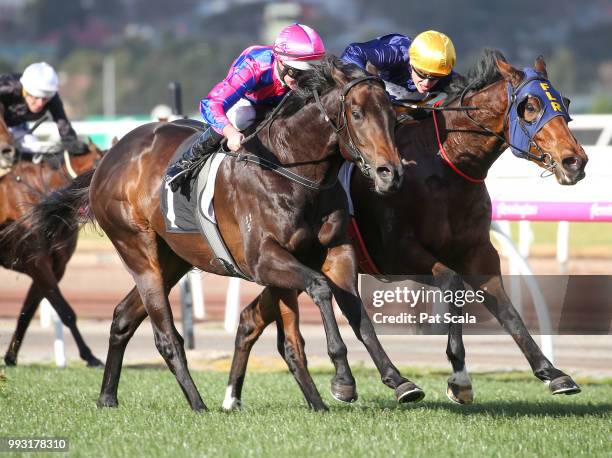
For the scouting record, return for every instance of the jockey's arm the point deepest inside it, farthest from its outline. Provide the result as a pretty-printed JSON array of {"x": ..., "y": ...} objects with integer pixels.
[
  {"x": 380, "y": 54},
  {"x": 225, "y": 94},
  {"x": 56, "y": 108}
]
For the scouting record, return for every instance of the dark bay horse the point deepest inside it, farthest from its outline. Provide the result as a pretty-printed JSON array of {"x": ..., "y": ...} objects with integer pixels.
[
  {"x": 281, "y": 233},
  {"x": 24, "y": 251},
  {"x": 439, "y": 222}
]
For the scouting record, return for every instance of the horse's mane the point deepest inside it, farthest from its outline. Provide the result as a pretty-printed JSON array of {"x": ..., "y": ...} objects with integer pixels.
[
  {"x": 485, "y": 72},
  {"x": 319, "y": 79}
]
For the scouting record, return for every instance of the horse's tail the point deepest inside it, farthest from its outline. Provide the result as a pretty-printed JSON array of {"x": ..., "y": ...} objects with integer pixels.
[
  {"x": 56, "y": 217},
  {"x": 64, "y": 209}
]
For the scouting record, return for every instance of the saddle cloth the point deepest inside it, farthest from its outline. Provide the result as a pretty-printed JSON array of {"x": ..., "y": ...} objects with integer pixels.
[{"x": 190, "y": 209}]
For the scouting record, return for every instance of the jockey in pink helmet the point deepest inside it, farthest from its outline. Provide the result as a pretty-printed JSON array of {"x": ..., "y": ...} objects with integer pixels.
[{"x": 259, "y": 77}]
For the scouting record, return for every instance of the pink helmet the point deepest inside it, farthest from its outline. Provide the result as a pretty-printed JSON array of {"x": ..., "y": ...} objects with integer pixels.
[{"x": 298, "y": 46}]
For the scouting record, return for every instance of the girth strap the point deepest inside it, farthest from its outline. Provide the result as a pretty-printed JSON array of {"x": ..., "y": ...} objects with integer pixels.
[{"x": 211, "y": 232}]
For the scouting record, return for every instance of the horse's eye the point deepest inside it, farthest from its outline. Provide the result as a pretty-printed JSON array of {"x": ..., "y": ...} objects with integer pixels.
[
  {"x": 356, "y": 114},
  {"x": 530, "y": 107}
]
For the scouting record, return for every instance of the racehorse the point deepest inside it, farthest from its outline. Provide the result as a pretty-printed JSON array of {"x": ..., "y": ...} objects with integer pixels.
[
  {"x": 439, "y": 222},
  {"x": 25, "y": 251},
  {"x": 288, "y": 233}
]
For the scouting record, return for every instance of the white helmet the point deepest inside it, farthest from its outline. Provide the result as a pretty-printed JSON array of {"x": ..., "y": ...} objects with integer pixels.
[{"x": 40, "y": 80}]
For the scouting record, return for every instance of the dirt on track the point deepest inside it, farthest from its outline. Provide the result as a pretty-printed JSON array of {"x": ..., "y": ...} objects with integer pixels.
[{"x": 96, "y": 280}]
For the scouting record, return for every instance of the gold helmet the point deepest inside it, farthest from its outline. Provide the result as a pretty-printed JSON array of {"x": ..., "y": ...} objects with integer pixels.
[{"x": 432, "y": 53}]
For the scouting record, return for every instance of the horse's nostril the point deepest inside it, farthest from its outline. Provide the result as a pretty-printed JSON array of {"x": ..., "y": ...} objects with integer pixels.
[{"x": 572, "y": 163}]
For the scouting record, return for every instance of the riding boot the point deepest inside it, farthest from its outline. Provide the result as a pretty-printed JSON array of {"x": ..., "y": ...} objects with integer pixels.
[{"x": 206, "y": 144}]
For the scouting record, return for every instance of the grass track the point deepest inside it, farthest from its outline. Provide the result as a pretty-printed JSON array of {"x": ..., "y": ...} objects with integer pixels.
[{"x": 513, "y": 416}]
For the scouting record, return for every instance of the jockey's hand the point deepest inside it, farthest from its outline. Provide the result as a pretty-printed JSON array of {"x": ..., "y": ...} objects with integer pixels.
[
  {"x": 74, "y": 146},
  {"x": 234, "y": 137}
]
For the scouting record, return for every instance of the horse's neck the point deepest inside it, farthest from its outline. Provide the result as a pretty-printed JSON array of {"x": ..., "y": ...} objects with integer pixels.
[
  {"x": 467, "y": 145},
  {"x": 306, "y": 142}
]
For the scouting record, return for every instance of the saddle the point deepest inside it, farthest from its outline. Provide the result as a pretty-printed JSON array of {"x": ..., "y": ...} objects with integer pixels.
[{"x": 190, "y": 210}]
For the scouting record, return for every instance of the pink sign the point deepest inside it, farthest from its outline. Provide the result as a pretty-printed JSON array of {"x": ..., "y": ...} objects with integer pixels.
[{"x": 552, "y": 211}]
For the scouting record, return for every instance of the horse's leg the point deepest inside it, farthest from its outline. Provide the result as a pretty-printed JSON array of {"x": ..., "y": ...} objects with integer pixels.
[
  {"x": 459, "y": 387},
  {"x": 142, "y": 253},
  {"x": 281, "y": 269},
  {"x": 293, "y": 350},
  {"x": 270, "y": 305},
  {"x": 46, "y": 278},
  {"x": 128, "y": 315},
  {"x": 253, "y": 320},
  {"x": 340, "y": 269},
  {"x": 28, "y": 309},
  {"x": 485, "y": 261}
]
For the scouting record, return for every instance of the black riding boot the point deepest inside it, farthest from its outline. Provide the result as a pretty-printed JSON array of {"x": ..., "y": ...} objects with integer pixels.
[{"x": 206, "y": 144}]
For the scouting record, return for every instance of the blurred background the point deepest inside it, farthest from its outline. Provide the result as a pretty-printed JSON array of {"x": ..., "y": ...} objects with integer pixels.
[{"x": 117, "y": 57}]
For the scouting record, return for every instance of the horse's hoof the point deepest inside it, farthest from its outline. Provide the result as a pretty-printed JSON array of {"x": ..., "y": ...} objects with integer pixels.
[
  {"x": 460, "y": 394},
  {"x": 344, "y": 393},
  {"x": 94, "y": 362},
  {"x": 319, "y": 408},
  {"x": 564, "y": 385},
  {"x": 10, "y": 360},
  {"x": 232, "y": 405},
  {"x": 408, "y": 392},
  {"x": 107, "y": 401}
]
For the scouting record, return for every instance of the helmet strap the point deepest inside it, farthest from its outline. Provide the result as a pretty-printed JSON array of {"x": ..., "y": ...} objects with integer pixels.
[{"x": 281, "y": 73}]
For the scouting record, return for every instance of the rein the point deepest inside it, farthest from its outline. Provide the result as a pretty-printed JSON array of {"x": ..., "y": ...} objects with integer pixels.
[{"x": 545, "y": 158}]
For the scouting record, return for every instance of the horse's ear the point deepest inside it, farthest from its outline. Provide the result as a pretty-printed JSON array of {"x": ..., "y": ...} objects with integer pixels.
[
  {"x": 371, "y": 68},
  {"x": 114, "y": 141},
  {"x": 540, "y": 65},
  {"x": 510, "y": 74},
  {"x": 338, "y": 75}
]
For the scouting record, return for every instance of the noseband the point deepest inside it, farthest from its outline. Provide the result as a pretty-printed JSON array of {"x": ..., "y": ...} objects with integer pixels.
[{"x": 352, "y": 149}]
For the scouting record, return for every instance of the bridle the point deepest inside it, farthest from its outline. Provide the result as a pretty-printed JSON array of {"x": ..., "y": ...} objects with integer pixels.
[
  {"x": 513, "y": 102},
  {"x": 350, "y": 148},
  {"x": 354, "y": 153}
]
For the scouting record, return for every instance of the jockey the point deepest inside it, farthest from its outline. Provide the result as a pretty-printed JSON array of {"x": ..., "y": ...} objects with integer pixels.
[
  {"x": 418, "y": 66},
  {"x": 28, "y": 97},
  {"x": 259, "y": 77}
]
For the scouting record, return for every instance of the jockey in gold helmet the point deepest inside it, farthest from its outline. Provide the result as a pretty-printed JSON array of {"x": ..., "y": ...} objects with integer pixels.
[{"x": 419, "y": 66}]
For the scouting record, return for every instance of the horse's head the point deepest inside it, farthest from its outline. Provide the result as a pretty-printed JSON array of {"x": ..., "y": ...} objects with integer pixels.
[
  {"x": 85, "y": 158},
  {"x": 366, "y": 129},
  {"x": 537, "y": 123}
]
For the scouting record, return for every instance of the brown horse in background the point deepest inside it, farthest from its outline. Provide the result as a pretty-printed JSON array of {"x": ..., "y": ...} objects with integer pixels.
[
  {"x": 282, "y": 233},
  {"x": 24, "y": 251},
  {"x": 439, "y": 222}
]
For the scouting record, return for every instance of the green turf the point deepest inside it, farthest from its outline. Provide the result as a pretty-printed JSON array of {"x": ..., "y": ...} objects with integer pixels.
[
  {"x": 513, "y": 416},
  {"x": 581, "y": 235}
]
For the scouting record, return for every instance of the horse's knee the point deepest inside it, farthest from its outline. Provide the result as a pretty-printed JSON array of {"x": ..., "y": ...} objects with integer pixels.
[
  {"x": 319, "y": 291},
  {"x": 121, "y": 331}
]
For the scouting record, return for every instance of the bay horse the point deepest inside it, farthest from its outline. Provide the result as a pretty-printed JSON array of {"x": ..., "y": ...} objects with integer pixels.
[
  {"x": 23, "y": 250},
  {"x": 287, "y": 235},
  {"x": 439, "y": 222}
]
